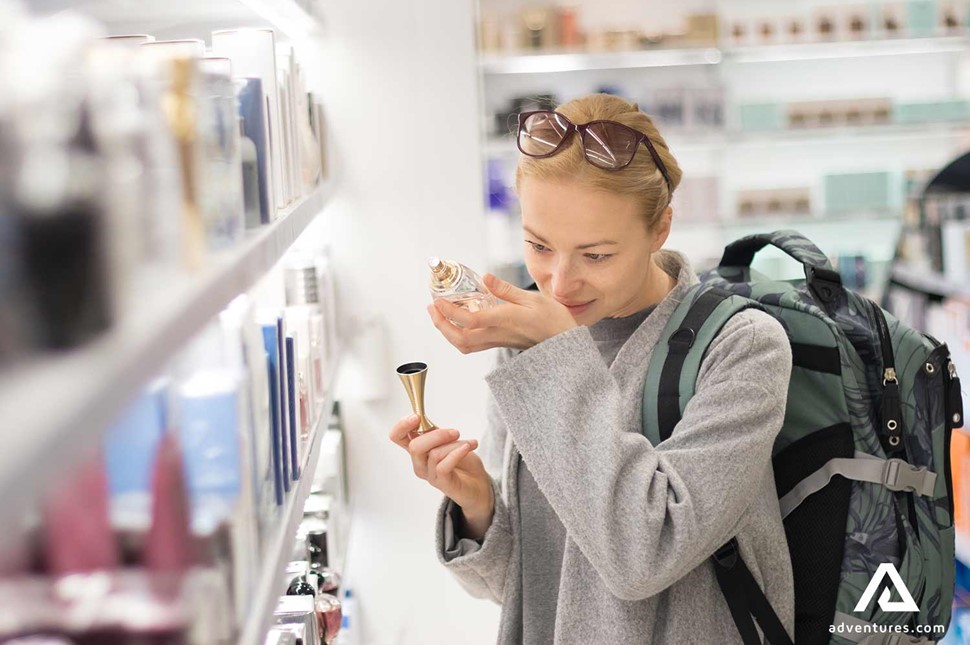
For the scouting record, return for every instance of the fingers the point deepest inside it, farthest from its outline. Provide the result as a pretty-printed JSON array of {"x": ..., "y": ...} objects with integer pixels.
[
  {"x": 504, "y": 290},
  {"x": 421, "y": 446},
  {"x": 443, "y": 459},
  {"x": 456, "y": 314},
  {"x": 465, "y": 340},
  {"x": 401, "y": 430}
]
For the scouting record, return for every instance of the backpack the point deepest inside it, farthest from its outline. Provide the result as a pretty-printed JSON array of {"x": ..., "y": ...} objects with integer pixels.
[{"x": 861, "y": 463}]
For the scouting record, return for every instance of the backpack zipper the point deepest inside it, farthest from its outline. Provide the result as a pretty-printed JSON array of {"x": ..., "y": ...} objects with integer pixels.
[
  {"x": 953, "y": 411},
  {"x": 891, "y": 411}
]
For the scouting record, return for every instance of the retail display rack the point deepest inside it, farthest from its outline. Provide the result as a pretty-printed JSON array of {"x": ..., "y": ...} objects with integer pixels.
[
  {"x": 754, "y": 142},
  {"x": 272, "y": 579},
  {"x": 95, "y": 382},
  {"x": 91, "y": 385}
]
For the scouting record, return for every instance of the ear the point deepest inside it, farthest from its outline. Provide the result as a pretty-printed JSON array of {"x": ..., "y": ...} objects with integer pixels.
[
  {"x": 636, "y": 107},
  {"x": 662, "y": 230}
]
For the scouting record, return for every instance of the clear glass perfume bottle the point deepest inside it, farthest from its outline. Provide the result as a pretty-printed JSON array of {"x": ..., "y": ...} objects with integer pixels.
[{"x": 460, "y": 285}]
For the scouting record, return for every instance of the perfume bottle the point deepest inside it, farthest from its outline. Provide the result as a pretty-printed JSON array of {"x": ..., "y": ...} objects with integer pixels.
[{"x": 459, "y": 284}]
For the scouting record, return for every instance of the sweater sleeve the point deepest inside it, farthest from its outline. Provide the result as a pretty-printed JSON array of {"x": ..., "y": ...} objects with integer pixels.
[
  {"x": 645, "y": 516},
  {"x": 480, "y": 565}
]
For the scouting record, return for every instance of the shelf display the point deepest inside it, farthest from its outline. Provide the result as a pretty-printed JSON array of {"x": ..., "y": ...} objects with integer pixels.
[
  {"x": 788, "y": 117},
  {"x": 549, "y": 28},
  {"x": 154, "y": 188},
  {"x": 163, "y": 108}
]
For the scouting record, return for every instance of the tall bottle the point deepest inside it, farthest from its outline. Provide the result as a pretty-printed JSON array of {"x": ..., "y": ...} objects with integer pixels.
[
  {"x": 250, "y": 178},
  {"x": 460, "y": 285}
]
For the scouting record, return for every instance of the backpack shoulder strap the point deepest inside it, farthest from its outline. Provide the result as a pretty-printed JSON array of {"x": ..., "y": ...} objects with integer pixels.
[
  {"x": 670, "y": 383},
  {"x": 676, "y": 360}
]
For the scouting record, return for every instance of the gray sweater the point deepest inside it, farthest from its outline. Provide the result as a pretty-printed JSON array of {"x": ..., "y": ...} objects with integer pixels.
[{"x": 640, "y": 521}]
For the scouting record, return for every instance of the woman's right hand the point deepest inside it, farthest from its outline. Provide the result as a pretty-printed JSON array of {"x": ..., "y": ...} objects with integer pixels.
[{"x": 449, "y": 464}]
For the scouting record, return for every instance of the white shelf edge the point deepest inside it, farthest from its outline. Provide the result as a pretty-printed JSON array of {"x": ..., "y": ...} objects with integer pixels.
[
  {"x": 927, "y": 282},
  {"x": 543, "y": 62},
  {"x": 56, "y": 406},
  {"x": 272, "y": 578},
  {"x": 786, "y": 221}
]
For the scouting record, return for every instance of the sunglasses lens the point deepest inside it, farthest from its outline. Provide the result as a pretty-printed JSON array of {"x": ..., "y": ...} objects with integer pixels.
[
  {"x": 609, "y": 145},
  {"x": 542, "y": 134}
]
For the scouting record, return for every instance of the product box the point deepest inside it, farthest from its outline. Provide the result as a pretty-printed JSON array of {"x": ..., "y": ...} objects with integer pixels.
[
  {"x": 253, "y": 55},
  {"x": 851, "y": 192},
  {"x": 774, "y": 201},
  {"x": 761, "y": 117},
  {"x": 921, "y": 18},
  {"x": 252, "y": 109}
]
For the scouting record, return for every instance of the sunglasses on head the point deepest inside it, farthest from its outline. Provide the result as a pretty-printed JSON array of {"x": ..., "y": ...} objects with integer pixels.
[{"x": 606, "y": 144}]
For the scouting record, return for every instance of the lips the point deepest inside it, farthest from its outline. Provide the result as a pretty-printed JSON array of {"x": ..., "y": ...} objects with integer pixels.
[
  {"x": 578, "y": 308},
  {"x": 575, "y": 304}
]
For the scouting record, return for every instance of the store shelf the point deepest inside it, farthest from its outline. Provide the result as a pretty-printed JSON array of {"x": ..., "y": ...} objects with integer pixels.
[
  {"x": 928, "y": 282},
  {"x": 780, "y": 221},
  {"x": 127, "y": 16},
  {"x": 542, "y": 63},
  {"x": 57, "y": 406},
  {"x": 545, "y": 63},
  {"x": 272, "y": 577},
  {"x": 683, "y": 141}
]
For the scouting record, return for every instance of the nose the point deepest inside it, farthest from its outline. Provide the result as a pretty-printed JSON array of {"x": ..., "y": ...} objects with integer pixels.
[{"x": 566, "y": 279}]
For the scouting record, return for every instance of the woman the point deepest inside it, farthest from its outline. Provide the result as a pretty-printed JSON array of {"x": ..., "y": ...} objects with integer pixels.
[{"x": 585, "y": 532}]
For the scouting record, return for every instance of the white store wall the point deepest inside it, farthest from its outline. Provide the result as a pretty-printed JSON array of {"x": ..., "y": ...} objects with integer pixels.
[{"x": 402, "y": 100}]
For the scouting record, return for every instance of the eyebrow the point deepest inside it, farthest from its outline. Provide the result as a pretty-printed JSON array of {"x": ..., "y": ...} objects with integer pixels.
[{"x": 582, "y": 246}]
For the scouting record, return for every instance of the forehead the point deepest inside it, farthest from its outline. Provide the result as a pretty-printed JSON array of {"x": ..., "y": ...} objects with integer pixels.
[{"x": 573, "y": 212}]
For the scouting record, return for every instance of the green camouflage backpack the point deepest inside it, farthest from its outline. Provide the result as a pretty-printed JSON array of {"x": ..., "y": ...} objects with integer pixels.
[{"x": 861, "y": 464}]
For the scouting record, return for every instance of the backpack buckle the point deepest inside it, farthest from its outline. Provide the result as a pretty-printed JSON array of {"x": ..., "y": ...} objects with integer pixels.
[
  {"x": 727, "y": 555},
  {"x": 900, "y": 476},
  {"x": 681, "y": 340}
]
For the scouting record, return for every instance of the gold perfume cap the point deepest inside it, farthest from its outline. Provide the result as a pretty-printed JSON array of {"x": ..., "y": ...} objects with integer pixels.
[
  {"x": 444, "y": 274},
  {"x": 413, "y": 376}
]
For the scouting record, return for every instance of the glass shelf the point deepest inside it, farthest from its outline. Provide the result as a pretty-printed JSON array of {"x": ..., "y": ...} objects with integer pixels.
[
  {"x": 577, "y": 61},
  {"x": 123, "y": 358},
  {"x": 682, "y": 141}
]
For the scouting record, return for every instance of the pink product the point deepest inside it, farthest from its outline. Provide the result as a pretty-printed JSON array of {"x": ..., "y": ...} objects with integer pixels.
[
  {"x": 329, "y": 616},
  {"x": 77, "y": 530},
  {"x": 169, "y": 545}
]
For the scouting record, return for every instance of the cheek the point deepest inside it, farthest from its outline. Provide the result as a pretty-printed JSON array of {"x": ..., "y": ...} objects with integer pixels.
[{"x": 535, "y": 269}]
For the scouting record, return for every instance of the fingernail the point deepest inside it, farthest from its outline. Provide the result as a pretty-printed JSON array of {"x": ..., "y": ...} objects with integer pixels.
[{"x": 413, "y": 418}]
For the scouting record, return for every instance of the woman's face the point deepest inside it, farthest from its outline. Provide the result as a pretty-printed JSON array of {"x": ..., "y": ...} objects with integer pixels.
[{"x": 591, "y": 250}]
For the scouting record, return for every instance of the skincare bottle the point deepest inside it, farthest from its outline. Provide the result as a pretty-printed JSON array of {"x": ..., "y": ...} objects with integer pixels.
[
  {"x": 250, "y": 177},
  {"x": 459, "y": 284}
]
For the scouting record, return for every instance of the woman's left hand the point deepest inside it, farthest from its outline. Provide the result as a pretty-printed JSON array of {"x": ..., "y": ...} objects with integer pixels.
[{"x": 526, "y": 318}]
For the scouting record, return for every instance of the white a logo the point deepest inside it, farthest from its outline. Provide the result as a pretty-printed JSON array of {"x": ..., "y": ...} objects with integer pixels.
[{"x": 906, "y": 604}]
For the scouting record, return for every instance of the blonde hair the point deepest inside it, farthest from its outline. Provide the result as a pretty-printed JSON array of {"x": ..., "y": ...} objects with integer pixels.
[{"x": 641, "y": 179}]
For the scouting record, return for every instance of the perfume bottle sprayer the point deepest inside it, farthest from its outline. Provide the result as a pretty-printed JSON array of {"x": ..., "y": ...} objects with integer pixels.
[{"x": 460, "y": 285}]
